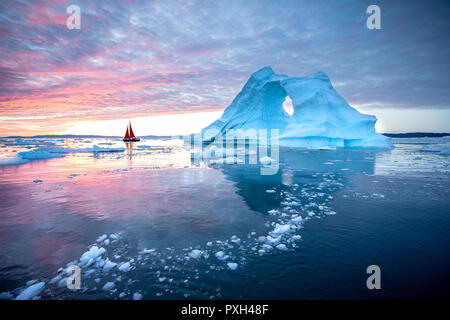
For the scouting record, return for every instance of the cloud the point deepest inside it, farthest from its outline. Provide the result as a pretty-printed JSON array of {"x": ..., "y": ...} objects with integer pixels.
[{"x": 145, "y": 57}]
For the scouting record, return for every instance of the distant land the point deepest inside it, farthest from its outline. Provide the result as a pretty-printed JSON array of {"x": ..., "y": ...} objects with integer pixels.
[
  {"x": 61, "y": 136},
  {"x": 416, "y": 135}
]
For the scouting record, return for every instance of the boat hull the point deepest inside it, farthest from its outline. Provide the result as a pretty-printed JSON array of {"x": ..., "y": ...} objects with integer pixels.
[{"x": 131, "y": 139}]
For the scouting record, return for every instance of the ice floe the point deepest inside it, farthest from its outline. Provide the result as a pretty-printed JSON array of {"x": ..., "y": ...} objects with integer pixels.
[
  {"x": 439, "y": 148},
  {"x": 125, "y": 267},
  {"x": 195, "y": 254},
  {"x": 38, "y": 154},
  {"x": 232, "y": 265},
  {"x": 16, "y": 160},
  {"x": 31, "y": 291},
  {"x": 108, "y": 286},
  {"x": 137, "y": 296}
]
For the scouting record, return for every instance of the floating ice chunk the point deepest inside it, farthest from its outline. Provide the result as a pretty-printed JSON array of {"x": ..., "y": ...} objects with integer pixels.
[
  {"x": 114, "y": 236},
  {"x": 9, "y": 161},
  {"x": 209, "y": 243},
  {"x": 102, "y": 238},
  {"x": 272, "y": 241},
  {"x": 297, "y": 220},
  {"x": 281, "y": 247},
  {"x": 107, "y": 242},
  {"x": 109, "y": 265},
  {"x": 93, "y": 255},
  {"x": 99, "y": 262},
  {"x": 100, "y": 149},
  {"x": 281, "y": 228},
  {"x": 236, "y": 240},
  {"x": 148, "y": 250},
  {"x": 137, "y": 296},
  {"x": 108, "y": 286},
  {"x": 162, "y": 279},
  {"x": 55, "y": 279},
  {"x": 296, "y": 237},
  {"x": 221, "y": 255},
  {"x": 232, "y": 265},
  {"x": 270, "y": 191},
  {"x": 62, "y": 282},
  {"x": 30, "y": 282},
  {"x": 122, "y": 294},
  {"x": 31, "y": 291},
  {"x": 94, "y": 149},
  {"x": 273, "y": 212},
  {"x": 89, "y": 272},
  {"x": 38, "y": 154},
  {"x": 195, "y": 254},
  {"x": 125, "y": 267}
]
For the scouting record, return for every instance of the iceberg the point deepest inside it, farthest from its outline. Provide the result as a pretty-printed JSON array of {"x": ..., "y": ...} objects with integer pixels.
[
  {"x": 31, "y": 291},
  {"x": 321, "y": 117}
]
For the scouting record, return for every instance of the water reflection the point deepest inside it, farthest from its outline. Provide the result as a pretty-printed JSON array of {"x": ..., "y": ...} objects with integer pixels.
[
  {"x": 129, "y": 149},
  {"x": 154, "y": 195},
  {"x": 297, "y": 168}
]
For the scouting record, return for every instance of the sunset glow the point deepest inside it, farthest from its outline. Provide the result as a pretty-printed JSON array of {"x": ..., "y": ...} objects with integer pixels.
[
  {"x": 137, "y": 59},
  {"x": 160, "y": 125}
]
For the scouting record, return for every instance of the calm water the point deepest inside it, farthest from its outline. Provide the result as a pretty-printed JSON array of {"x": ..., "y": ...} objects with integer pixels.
[{"x": 333, "y": 212}]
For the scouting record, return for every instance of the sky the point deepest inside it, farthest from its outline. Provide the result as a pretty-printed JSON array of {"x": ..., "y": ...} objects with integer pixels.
[{"x": 173, "y": 66}]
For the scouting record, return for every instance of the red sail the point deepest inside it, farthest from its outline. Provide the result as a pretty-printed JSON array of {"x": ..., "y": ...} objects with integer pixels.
[
  {"x": 127, "y": 134},
  {"x": 131, "y": 131}
]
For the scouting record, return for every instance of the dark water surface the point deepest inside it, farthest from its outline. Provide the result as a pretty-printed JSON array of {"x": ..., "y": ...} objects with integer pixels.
[{"x": 351, "y": 208}]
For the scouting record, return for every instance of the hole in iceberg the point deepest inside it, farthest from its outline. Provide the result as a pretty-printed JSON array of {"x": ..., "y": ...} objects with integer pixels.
[{"x": 287, "y": 106}]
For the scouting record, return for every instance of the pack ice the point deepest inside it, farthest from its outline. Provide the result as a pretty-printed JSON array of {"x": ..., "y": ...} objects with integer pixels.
[{"x": 321, "y": 117}]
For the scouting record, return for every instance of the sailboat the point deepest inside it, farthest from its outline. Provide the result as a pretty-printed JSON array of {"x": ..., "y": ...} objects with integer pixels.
[{"x": 129, "y": 134}]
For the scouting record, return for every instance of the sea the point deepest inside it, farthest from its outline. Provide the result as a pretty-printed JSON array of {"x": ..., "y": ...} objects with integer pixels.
[{"x": 146, "y": 221}]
